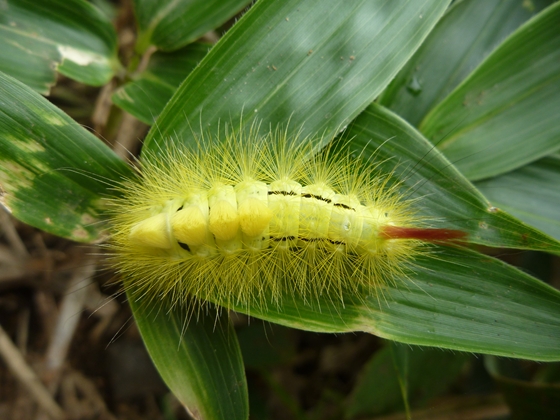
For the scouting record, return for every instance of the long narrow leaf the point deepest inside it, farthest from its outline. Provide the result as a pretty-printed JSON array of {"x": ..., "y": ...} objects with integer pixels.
[
  {"x": 452, "y": 298},
  {"x": 505, "y": 114},
  {"x": 147, "y": 94},
  {"x": 317, "y": 63},
  {"x": 443, "y": 195},
  {"x": 71, "y": 36},
  {"x": 466, "y": 34},
  {"x": 530, "y": 193},
  {"x": 170, "y": 24},
  {"x": 198, "y": 358},
  {"x": 53, "y": 172}
]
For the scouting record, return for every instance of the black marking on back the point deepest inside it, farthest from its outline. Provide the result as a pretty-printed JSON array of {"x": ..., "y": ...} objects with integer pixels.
[
  {"x": 317, "y": 197},
  {"x": 285, "y": 193},
  {"x": 291, "y": 238},
  {"x": 311, "y": 239},
  {"x": 332, "y": 241},
  {"x": 283, "y": 238},
  {"x": 344, "y": 206}
]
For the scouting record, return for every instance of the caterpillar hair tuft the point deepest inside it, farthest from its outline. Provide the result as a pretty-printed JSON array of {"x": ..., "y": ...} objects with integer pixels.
[{"x": 246, "y": 219}]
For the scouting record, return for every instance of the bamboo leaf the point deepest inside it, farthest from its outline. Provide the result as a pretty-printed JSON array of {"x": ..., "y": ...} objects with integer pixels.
[
  {"x": 452, "y": 298},
  {"x": 504, "y": 115},
  {"x": 525, "y": 398},
  {"x": 529, "y": 193},
  {"x": 198, "y": 358},
  {"x": 466, "y": 34},
  {"x": 171, "y": 24},
  {"x": 445, "y": 197},
  {"x": 314, "y": 63},
  {"x": 71, "y": 36},
  {"x": 53, "y": 172},
  {"x": 147, "y": 94},
  {"x": 430, "y": 372}
]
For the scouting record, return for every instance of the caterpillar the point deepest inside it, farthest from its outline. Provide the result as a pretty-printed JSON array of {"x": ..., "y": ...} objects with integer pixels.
[{"x": 248, "y": 219}]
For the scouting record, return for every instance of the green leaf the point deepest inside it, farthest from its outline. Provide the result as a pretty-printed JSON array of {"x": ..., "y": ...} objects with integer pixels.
[
  {"x": 109, "y": 9},
  {"x": 266, "y": 345},
  {"x": 151, "y": 89},
  {"x": 71, "y": 36},
  {"x": 504, "y": 115},
  {"x": 460, "y": 40},
  {"x": 529, "y": 193},
  {"x": 315, "y": 63},
  {"x": 401, "y": 365},
  {"x": 377, "y": 391},
  {"x": 172, "y": 24},
  {"x": 466, "y": 34},
  {"x": 53, "y": 172},
  {"x": 452, "y": 298},
  {"x": 198, "y": 358},
  {"x": 445, "y": 197},
  {"x": 526, "y": 399}
]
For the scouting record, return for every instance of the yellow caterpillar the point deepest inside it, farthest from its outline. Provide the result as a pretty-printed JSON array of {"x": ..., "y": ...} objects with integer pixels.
[{"x": 249, "y": 219}]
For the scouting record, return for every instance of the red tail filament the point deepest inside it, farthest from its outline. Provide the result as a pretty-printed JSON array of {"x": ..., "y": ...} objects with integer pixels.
[{"x": 422, "y": 234}]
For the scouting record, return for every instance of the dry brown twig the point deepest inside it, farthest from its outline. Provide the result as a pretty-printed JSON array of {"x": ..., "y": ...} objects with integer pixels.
[{"x": 23, "y": 372}]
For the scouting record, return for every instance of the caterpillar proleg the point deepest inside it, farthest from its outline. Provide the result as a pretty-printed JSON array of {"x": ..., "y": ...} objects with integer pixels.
[{"x": 254, "y": 217}]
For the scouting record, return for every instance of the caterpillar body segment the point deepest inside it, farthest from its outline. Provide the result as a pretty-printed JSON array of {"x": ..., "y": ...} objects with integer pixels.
[
  {"x": 285, "y": 203},
  {"x": 253, "y": 219},
  {"x": 233, "y": 222}
]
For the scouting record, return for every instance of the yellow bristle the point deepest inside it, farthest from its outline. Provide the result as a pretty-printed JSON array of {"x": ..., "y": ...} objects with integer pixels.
[{"x": 248, "y": 219}]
